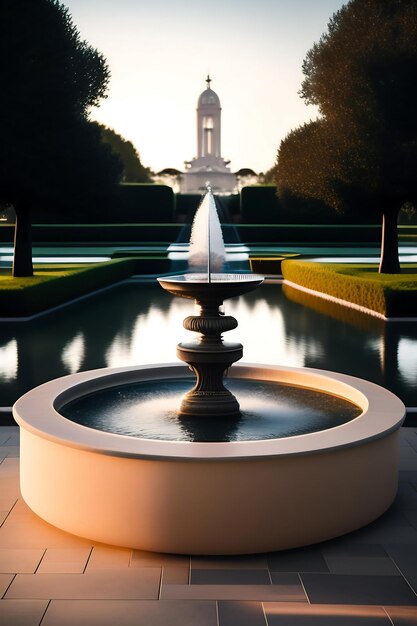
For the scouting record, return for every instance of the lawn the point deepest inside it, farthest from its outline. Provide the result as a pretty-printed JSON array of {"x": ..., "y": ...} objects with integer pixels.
[
  {"x": 391, "y": 295},
  {"x": 52, "y": 285}
]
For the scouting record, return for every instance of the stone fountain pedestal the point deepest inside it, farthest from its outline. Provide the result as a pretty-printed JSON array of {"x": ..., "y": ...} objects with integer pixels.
[{"x": 209, "y": 356}]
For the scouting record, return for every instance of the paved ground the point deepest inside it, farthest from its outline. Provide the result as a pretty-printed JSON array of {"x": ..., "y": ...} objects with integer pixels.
[{"x": 367, "y": 578}]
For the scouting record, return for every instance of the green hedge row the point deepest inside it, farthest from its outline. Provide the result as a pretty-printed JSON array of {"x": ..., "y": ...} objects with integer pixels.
[
  {"x": 132, "y": 203},
  {"x": 97, "y": 233},
  {"x": 391, "y": 295},
  {"x": 259, "y": 204},
  {"x": 132, "y": 234},
  {"x": 277, "y": 234},
  {"x": 20, "y": 298}
]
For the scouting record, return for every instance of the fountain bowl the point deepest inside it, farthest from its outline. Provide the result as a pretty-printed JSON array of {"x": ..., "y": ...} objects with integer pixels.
[
  {"x": 220, "y": 286},
  {"x": 208, "y": 498}
]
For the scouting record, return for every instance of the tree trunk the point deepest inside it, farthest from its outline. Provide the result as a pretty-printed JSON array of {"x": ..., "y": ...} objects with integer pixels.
[
  {"x": 390, "y": 262},
  {"x": 22, "y": 259}
]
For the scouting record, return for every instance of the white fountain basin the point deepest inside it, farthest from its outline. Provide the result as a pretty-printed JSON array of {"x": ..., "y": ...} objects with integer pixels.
[{"x": 208, "y": 498}]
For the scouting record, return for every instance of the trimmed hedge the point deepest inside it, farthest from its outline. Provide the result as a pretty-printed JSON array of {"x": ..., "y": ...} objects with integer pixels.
[
  {"x": 299, "y": 234},
  {"x": 142, "y": 203},
  {"x": 186, "y": 204},
  {"x": 132, "y": 203},
  {"x": 21, "y": 297},
  {"x": 392, "y": 295},
  {"x": 260, "y": 205},
  {"x": 97, "y": 233}
]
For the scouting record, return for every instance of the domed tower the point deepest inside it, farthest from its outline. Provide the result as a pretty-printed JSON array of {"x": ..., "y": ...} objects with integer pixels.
[
  {"x": 208, "y": 166},
  {"x": 208, "y": 123}
]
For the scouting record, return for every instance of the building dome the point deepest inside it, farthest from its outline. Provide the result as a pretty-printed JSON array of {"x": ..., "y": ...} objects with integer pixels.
[{"x": 208, "y": 97}]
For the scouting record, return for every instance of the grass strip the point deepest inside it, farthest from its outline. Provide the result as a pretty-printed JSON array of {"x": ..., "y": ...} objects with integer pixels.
[
  {"x": 392, "y": 295},
  {"x": 50, "y": 286}
]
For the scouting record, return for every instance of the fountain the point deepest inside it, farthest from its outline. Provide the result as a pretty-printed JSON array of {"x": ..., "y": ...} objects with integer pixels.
[
  {"x": 209, "y": 357},
  {"x": 224, "y": 487}
]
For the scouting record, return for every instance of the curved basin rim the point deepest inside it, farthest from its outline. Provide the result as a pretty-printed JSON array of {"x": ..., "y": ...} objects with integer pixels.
[{"x": 38, "y": 412}]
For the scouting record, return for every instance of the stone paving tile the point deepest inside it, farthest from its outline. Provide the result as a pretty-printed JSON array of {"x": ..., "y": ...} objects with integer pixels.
[
  {"x": 4, "y": 436},
  {"x": 351, "y": 589},
  {"x": 64, "y": 561},
  {"x": 408, "y": 476},
  {"x": 241, "y": 613},
  {"x": 175, "y": 576},
  {"x": 281, "y": 614},
  {"x": 407, "y": 463},
  {"x": 19, "y": 561},
  {"x": 278, "y": 593},
  {"x": 9, "y": 451},
  {"x": 344, "y": 557},
  {"x": 125, "y": 584},
  {"x": 352, "y": 565},
  {"x": 402, "y": 615},
  {"x": 106, "y": 557},
  {"x": 154, "y": 559},
  {"x": 411, "y": 517},
  {"x": 230, "y": 562},
  {"x": 6, "y": 504},
  {"x": 308, "y": 559},
  {"x": 408, "y": 435},
  {"x": 391, "y": 527},
  {"x": 3, "y": 516},
  {"x": 405, "y": 557},
  {"x": 22, "y": 612},
  {"x": 289, "y": 581},
  {"x": 24, "y": 529},
  {"x": 344, "y": 547},
  {"x": 406, "y": 497},
  {"x": 14, "y": 437},
  {"x": 130, "y": 613},
  {"x": 9, "y": 478},
  {"x": 230, "y": 577},
  {"x": 5, "y": 580}
]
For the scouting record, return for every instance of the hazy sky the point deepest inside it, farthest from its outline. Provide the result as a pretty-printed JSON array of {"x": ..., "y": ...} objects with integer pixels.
[{"x": 160, "y": 52}]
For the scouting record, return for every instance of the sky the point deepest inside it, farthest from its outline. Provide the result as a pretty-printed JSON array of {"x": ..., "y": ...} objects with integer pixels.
[{"x": 159, "y": 53}]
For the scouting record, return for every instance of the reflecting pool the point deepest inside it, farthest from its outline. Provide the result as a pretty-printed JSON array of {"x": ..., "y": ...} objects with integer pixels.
[{"x": 139, "y": 323}]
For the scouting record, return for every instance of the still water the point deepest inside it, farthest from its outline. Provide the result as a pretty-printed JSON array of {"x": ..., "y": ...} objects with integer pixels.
[
  {"x": 140, "y": 323},
  {"x": 267, "y": 411}
]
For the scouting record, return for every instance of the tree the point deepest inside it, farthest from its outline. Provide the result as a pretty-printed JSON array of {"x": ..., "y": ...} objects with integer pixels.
[
  {"x": 362, "y": 76},
  {"x": 312, "y": 173},
  {"x": 50, "y": 79},
  {"x": 133, "y": 170}
]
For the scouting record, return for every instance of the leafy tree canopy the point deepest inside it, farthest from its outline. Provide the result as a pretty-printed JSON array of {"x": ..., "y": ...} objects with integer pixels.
[
  {"x": 49, "y": 79},
  {"x": 362, "y": 152},
  {"x": 133, "y": 170}
]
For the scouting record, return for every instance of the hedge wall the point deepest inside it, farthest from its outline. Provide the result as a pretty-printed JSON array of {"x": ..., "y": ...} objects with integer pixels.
[
  {"x": 131, "y": 234},
  {"x": 392, "y": 295},
  {"x": 142, "y": 203},
  {"x": 260, "y": 205},
  {"x": 133, "y": 203}
]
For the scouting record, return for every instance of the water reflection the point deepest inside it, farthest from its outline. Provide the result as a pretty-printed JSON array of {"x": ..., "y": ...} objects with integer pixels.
[
  {"x": 140, "y": 323},
  {"x": 153, "y": 338},
  {"x": 357, "y": 344},
  {"x": 407, "y": 359},
  {"x": 73, "y": 353},
  {"x": 8, "y": 360}
]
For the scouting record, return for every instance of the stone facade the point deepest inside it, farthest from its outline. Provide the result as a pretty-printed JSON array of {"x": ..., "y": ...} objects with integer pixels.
[{"x": 208, "y": 166}]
